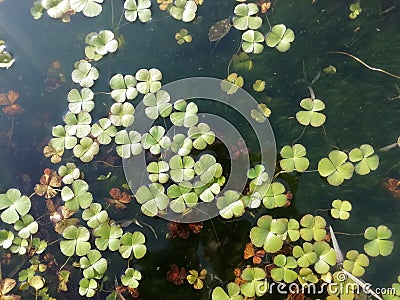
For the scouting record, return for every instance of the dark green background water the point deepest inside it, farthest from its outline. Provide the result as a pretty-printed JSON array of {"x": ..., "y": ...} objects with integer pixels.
[{"x": 358, "y": 111}]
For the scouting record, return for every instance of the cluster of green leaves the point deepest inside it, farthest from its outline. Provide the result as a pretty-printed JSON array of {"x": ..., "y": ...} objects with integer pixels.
[{"x": 6, "y": 59}]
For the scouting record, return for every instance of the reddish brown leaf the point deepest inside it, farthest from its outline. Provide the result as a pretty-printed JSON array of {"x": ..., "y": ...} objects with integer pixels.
[{"x": 175, "y": 275}]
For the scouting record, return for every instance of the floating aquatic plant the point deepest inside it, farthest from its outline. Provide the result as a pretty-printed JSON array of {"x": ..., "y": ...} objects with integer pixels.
[
  {"x": 261, "y": 113},
  {"x": 255, "y": 283},
  {"x": 157, "y": 104},
  {"x": 99, "y": 44},
  {"x": 182, "y": 197},
  {"x": 283, "y": 270},
  {"x": 87, "y": 287},
  {"x": 266, "y": 233},
  {"x": 355, "y": 9},
  {"x": 85, "y": 75},
  {"x": 379, "y": 241},
  {"x": 154, "y": 140},
  {"x": 93, "y": 264},
  {"x": 202, "y": 135},
  {"x": 137, "y": 8},
  {"x": 259, "y": 85},
  {"x": 103, "y": 131},
  {"x": 305, "y": 255},
  {"x": 183, "y": 37},
  {"x": 108, "y": 236},
  {"x": 230, "y": 205},
  {"x": 233, "y": 290},
  {"x": 279, "y": 37},
  {"x": 335, "y": 168},
  {"x": 77, "y": 196},
  {"x": 90, "y": 8},
  {"x": 6, "y": 59},
  {"x": 123, "y": 87},
  {"x": 26, "y": 226},
  {"x": 181, "y": 145},
  {"x": 275, "y": 196},
  {"x": 131, "y": 278},
  {"x": 158, "y": 171},
  {"x": 313, "y": 228},
  {"x": 153, "y": 199},
  {"x": 121, "y": 114},
  {"x": 48, "y": 184},
  {"x": 148, "y": 80},
  {"x": 129, "y": 143},
  {"x": 75, "y": 241},
  {"x": 242, "y": 61},
  {"x": 176, "y": 275},
  {"x": 355, "y": 263},
  {"x": 78, "y": 124},
  {"x": 232, "y": 83},
  {"x": 326, "y": 257},
  {"x": 133, "y": 244},
  {"x": 364, "y": 159},
  {"x": 340, "y": 209},
  {"x": 245, "y": 16},
  {"x": 13, "y": 205},
  {"x": 184, "y": 10},
  {"x": 251, "y": 41},
  {"x": 196, "y": 278},
  {"x": 86, "y": 149},
  {"x": 311, "y": 115},
  {"x": 94, "y": 215},
  {"x": 185, "y": 114},
  {"x": 293, "y": 158}
]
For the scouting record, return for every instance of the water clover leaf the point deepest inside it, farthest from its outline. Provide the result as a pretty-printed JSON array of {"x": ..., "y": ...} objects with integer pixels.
[
  {"x": 293, "y": 230},
  {"x": 94, "y": 215},
  {"x": 251, "y": 41},
  {"x": 6, "y": 238},
  {"x": 154, "y": 140},
  {"x": 206, "y": 192},
  {"x": 100, "y": 43},
  {"x": 19, "y": 246},
  {"x": 340, "y": 209},
  {"x": 366, "y": 161},
  {"x": 231, "y": 84},
  {"x": 230, "y": 205},
  {"x": 233, "y": 292},
  {"x": 77, "y": 124},
  {"x": 84, "y": 73},
  {"x": 87, "y": 287},
  {"x": 90, "y": 8},
  {"x": 355, "y": 9},
  {"x": 86, "y": 149},
  {"x": 355, "y": 263},
  {"x": 266, "y": 233},
  {"x": 69, "y": 172},
  {"x": 379, "y": 243},
  {"x": 78, "y": 196},
  {"x": 80, "y": 101},
  {"x": 313, "y": 228},
  {"x": 103, "y": 131},
  {"x": 311, "y": 115},
  {"x": 181, "y": 144},
  {"x": 244, "y": 16},
  {"x": 283, "y": 271},
  {"x": 131, "y": 278},
  {"x": 123, "y": 87},
  {"x": 306, "y": 275},
  {"x": 259, "y": 85},
  {"x": 326, "y": 257},
  {"x": 75, "y": 241},
  {"x": 293, "y": 158},
  {"x": 152, "y": 198},
  {"x": 149, "y": 80},
  {"x": 255, "y": 279},
  {"x": 201, "y": 136},
  {"x": 196, "y": 279},
  {"x": 183, "y": 36},
  {"x": 181, "y": 168},
  {"x": 184, "y": 10},
  {"x": 26, "y": 226},
  {"x": 108, "y": 236},
  {"x": 56, "y": 8},
  {"x": 305, "y": 255},
  {"x": 208, "y": 168},
  {"x": 257, "y": 175},
  {"x": 139, "y": 9},
  {"x": 279, "y": 37},
  {"x": 133, "y": 243},
  {"x": 6, "y": 59},
  {"x": 275, "y": 196},
  {"x": 128, "y": 143},
  {"x": 261, "y": 113},
  {"x": 61, "y": 139},
  {"x": 335, "y": 168},
  {"x": 186, "y": 114},
  {"x": 14, "y": 205},
  {"x": 183, "y": 197},
  {"x": 158, "y": 171},
  {"x": 121, "y": 114},
  {"x": 157, "y": 104},
  {"x": 93, "y": 265}
]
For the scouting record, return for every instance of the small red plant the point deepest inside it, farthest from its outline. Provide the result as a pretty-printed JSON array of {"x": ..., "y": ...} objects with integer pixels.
[
  {"x": 175, "y": 275},
  {"x": 182, "y": 231}
]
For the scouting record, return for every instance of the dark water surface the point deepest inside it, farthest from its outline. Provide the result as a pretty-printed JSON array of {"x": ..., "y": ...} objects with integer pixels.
[{"x": 358, "y": 112}]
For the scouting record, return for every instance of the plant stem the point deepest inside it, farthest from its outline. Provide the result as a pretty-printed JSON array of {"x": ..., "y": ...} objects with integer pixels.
[{"x": 366, "y": 65}]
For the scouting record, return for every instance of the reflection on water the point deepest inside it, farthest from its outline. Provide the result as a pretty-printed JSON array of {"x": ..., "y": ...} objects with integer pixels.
[{"x": 358, "y": 111}]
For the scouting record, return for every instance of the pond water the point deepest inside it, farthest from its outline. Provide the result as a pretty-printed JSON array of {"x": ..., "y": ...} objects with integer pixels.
[{"x": 361, "y": 108}]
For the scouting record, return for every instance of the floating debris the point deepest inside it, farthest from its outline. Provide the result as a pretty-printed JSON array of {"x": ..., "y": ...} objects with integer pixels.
[{"x": 219, "y": 30}]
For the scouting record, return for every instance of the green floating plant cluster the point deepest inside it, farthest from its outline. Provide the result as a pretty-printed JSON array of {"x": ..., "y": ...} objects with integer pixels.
[
  {"x": 6, "y": 59},
  {"x": 247, "y": 20}
]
